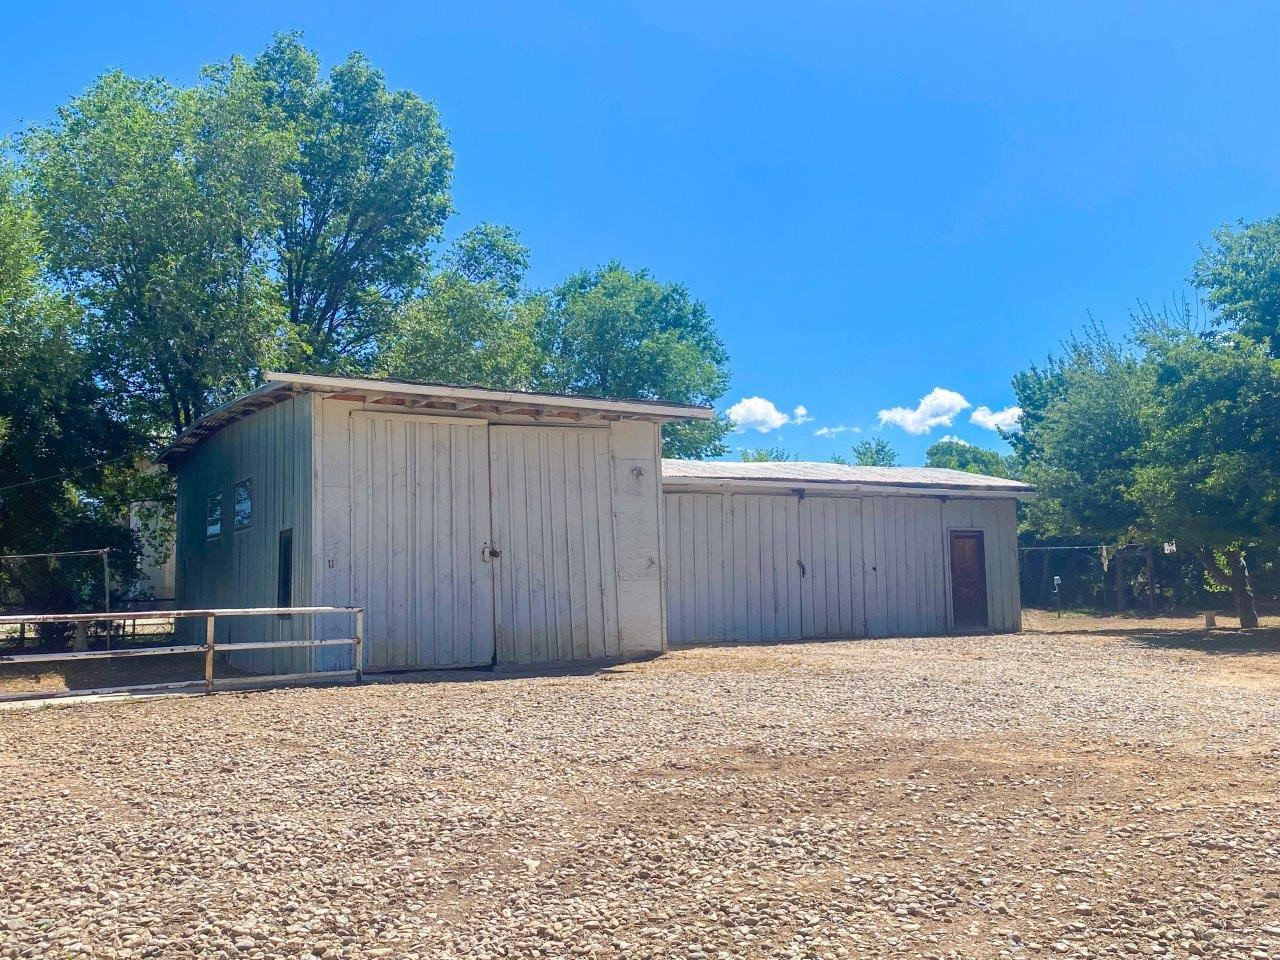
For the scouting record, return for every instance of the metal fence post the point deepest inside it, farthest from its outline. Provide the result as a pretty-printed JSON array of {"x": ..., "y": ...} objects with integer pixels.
[
  {"x": 358, "y": 646},
  {"x": 209, "y": 632}
]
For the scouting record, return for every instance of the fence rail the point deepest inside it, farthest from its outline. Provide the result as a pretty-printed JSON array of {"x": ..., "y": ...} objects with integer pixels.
[{"x": 208, "y": 648}]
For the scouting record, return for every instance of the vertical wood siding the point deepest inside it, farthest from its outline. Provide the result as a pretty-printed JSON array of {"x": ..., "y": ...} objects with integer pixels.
[
  {"x": 874, "y": 566},
  {"x": 764, "y": 561},
  {"x": 905, "y": 564},
  {"x": 419, "y": 521},
  {"x": 557, "y": 577},
  {"x": 998, "y": 520},
  {"x": 699, "y": 592},
  {"x": 239, "y": 568},
  {"x": 831, "y": 549}
]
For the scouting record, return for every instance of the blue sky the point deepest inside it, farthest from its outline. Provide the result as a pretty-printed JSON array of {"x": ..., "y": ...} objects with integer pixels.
[{"x": 878, "y": 202}]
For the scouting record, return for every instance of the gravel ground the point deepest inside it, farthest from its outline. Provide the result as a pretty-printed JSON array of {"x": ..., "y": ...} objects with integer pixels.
[{"x": 1088, "y": 788}]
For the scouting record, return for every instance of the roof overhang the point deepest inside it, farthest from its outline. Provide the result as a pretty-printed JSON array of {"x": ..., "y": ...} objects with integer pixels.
[
  {"x": 842, "y": 488},
  {"x": 396, "y": 395}
]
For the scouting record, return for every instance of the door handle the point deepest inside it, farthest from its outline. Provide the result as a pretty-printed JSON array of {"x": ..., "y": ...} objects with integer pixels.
[
  {"x": 803, "y": 571},
  {"x": 487, "y": 551}
]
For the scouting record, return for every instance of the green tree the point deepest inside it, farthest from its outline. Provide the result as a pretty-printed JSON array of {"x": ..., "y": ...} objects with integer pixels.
[
  {"x": 155, "y": 203},
  {"x": 493, "y": 254},
  {"x": 768, "y": 455},
  {"x": 613, "y": 332},
  {"x": 60, "y": 428},
  {"x": 1080, "y": 439},
  {"x": 1240, "y": 277},
  {"x": 958, "y": 455},
  {"x": 1208, "y": 470},
  {"x": 1170, "y": 437},
  {"x": 267, "y": 216},
  {"x": 472, "y": 325},
  {"x": 877, "y": 452},
  {"x": 365, "y": 198}
]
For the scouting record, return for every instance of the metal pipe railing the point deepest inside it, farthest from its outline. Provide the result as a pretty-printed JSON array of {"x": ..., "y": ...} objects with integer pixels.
[{"x": 208, "y": 648}]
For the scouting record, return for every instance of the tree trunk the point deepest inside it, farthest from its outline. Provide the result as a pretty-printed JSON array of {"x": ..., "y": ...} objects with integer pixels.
[
  {"x": 1242, "y": 590},
  {"x": 1043, "y": 594},
  {"x": 1236, "y": 577}
]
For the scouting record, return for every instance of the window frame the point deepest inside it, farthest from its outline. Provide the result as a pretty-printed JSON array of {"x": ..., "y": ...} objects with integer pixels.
[
  {"x": 245, "y": 484},
  {"x": 209, "y": 501}
]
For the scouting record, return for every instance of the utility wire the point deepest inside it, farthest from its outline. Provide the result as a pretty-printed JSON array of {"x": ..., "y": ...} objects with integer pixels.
[
  {"x": 58, "y": 553},
  {"x": 67, "y": 473}
]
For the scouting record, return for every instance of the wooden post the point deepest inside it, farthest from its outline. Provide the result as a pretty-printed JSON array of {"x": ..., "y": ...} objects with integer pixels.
[
  {"x": 106, "y": 595},
  {"x": 209, "y": 630},
  {"x": 1151, "y": 577},
  {"x": 357, "y": 648},
  {"x": 1118, "y": 560}
]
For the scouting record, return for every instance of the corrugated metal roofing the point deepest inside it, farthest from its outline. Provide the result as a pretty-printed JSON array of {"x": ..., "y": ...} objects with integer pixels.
[{"x": 835, "y": 473}]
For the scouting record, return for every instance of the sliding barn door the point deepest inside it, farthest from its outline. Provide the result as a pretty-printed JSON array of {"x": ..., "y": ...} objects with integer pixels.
[
  {"x": 764, "y": 565},
  {"x": 831, "y": 551},
  {"x": 699, "y": 588},
  {"x": 557, "y": 595},
  {"x": 420, "y": 522}
]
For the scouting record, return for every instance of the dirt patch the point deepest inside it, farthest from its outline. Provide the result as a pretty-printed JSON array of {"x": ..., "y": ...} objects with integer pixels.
[{"x": 1109, "y": 792}]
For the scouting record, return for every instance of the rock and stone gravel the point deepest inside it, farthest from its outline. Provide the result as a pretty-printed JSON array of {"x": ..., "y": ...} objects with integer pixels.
[{"x": 1105, "y": 792}]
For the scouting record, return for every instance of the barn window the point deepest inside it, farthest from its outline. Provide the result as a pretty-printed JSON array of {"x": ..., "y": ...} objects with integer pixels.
[
  {"x": 243, "y": 506},
  {"x": 213, "y": 515},
  {"x": 284, "y": 571}
]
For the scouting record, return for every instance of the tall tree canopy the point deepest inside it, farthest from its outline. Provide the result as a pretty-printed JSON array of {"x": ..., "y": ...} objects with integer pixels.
[
  {"x": 472, "y": 325},
  {"x": 156, "y": 203},
  {"x": 274, "y": 215},
  {"x": 59, "y": 429},
  {"x": 268, "y": 216},
  {"x": 1080, "y": 438},
  {"x": 1239, "y": 275},
  {"x": 958, "y": 455},
  {"x": 614, "y": 332},
  {"x": 366, "y": 196},
  {"x": 1169, "y": 437},
  {"x": 1208, "y": 470},
  {"x": 872, "y": 452}
]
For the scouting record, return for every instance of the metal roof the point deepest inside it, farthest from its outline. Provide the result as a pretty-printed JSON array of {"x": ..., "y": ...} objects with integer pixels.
[
  {"x": 779, "y": 473},
  {"x": 405, "y": 395}
]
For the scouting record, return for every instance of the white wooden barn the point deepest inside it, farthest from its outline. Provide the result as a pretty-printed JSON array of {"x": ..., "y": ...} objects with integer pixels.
[
  {"x": 774, "y": 551},
  {"x": 475, "y": 526}
]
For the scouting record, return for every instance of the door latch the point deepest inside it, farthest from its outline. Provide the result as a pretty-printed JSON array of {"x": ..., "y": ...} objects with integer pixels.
[
  {"x": 487, "y": 552},
  {"x": 803, "y": 571}
]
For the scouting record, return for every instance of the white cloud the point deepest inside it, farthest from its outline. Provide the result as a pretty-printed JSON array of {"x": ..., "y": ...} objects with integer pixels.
[
  {"x": 1006, "y": 419},
  {"x": 954, "y": 439},
  {"x": 800, "y": 415},
  {"x": 757, "y": 413},
  {"x": 937, "y": 408},
  {"x": 835, "y": 431}
]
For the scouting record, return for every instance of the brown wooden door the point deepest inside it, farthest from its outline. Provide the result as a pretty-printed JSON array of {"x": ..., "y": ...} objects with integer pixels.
[{"x": 968, "y": 579}]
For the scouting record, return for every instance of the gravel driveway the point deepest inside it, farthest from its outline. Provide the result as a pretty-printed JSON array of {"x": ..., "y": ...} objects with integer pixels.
[{"x": 1112, "y": 791}]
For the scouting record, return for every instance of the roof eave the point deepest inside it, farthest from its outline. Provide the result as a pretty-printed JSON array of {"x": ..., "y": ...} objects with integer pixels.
[
  {"x": 693, "y": 484},
  {"x": 452, "y": 400},
  {"x": 644, "y": 409},
  {"x": 256, "y": 399}
]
